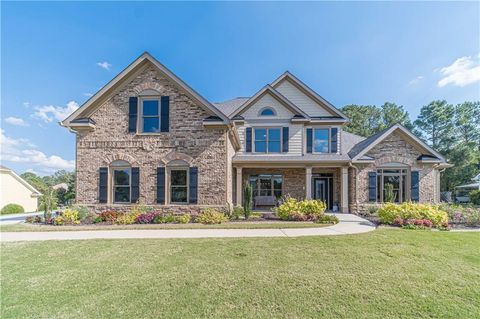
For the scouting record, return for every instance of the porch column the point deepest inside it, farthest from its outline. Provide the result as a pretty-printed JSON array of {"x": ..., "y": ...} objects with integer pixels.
[
  {"x": 344, "y": 194},
  {"x": 308, "y": 183},
  {"x": 239, "y": 190}
]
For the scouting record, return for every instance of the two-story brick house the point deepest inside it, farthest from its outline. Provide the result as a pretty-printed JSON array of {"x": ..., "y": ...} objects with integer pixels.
[{"x": 148, "y": 137}]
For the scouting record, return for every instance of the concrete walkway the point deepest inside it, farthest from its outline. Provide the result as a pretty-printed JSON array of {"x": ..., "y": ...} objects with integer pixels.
[{"x": 349, "y": 224}]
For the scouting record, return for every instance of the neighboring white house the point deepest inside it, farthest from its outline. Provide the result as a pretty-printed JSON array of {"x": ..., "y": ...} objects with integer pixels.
[
  {"x": 15, "y": 190},
  {"x": 462, "y": 191}
]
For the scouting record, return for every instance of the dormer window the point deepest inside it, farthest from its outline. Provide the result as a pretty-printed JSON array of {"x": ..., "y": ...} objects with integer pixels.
[{"x": 267, "y": 111}]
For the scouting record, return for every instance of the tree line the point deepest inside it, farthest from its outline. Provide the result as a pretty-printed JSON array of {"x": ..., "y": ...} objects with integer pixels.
[
  {"x": 452, "y": 130},
  {"x": 44, "y": 184}
]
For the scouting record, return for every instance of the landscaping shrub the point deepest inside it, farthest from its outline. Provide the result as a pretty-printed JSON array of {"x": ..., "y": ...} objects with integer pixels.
[
  {"x": 183, "y": 219},
  {"x": 291, "y": 208},
  {"x": 126, "y": 218},
  {"x": 237, "y": 212},
  {"x": 145, "y": 218},
  {"x": 34, "y": 219},
  {"x": 475, "y": 197},
  {"x": 211, "y": 216},
  {"x": 109, "y": 216},
  {"x": 12, "y": 209},
  {"x": 70, "y": 216},
  {"x": 462, "y": 214},
  {"x": 327, "y": 219},
  {"x": 164, "y": 218},
  {"x": 247, "y": 200},
  {"x": 390, "y": 213}
]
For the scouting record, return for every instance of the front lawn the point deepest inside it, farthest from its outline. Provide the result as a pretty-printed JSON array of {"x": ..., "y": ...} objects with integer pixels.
[{"x": 388, "y": 273}]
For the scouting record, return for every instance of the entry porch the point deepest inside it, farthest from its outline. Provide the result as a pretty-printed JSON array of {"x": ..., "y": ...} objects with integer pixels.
[{"x": 271, "y": 183}]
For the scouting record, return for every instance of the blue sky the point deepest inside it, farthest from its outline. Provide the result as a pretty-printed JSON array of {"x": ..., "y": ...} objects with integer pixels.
[{"x": 55, "y": 55}]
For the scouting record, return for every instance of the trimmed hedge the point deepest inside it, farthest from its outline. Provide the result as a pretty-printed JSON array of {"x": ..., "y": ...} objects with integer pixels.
[{"x": 12, "y": 209}]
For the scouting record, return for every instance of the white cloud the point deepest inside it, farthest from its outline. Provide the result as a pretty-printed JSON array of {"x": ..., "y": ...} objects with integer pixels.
[
  {"x": 22, "y": 151},
  {"x": 48, "y": 113},
  {"x": 88, "y": 94},
  {"x": 416, "y": 80},
  {"x": 16, "y": 121},
  {"x": 104, "y": 65},
  {"x": 464, "y": 71}
]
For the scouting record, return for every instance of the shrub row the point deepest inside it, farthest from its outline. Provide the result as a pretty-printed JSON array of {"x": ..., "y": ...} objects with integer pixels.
[
  {"x": 394, "y": 213},
  {"x": 462, "y": 214}
]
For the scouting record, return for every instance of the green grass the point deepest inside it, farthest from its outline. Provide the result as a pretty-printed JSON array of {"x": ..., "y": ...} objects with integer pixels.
[
  {"x": 230, "y": 225},
  {"x": 388, "y": 273}
]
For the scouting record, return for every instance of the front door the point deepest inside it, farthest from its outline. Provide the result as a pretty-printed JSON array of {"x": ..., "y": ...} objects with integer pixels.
[{"x": 322, "y": 191}]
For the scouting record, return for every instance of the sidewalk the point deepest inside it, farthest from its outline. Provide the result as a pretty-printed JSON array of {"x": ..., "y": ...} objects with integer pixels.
[{"x": 349, "y": 224}]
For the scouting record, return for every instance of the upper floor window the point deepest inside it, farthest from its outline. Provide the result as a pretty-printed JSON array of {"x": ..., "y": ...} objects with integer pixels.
[
  {"x": 268, "y": 111},
  {"x": 121, "y": 181},
  {"x": 150, "y": 119},
  {"x": 321, "y": 140},
  {"x": 268, "y": 140}
]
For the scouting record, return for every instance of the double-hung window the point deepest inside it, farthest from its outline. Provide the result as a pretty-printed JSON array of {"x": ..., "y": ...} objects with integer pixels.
[
  {"x": 150, "y": 115},
  {"x": 321, "y": 140},
  {"x": 121, "y": 182},
  {"x": 268, "y": 140},
  {"x": 266, "y": 185},
  {"x": 178, "y": 186}
]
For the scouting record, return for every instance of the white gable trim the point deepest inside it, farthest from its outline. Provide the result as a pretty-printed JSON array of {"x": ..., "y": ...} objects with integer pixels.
[
  {"x": 279, "y": 97},
  {"x": 309, "y": 92},
  {"x": 134, "y": 65},
  {"x": 405, "y": 131}
]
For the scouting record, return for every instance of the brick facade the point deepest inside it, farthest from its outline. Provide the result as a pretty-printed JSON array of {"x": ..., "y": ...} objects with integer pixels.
[
  {"x": 396, "y": 149},
  {"x": 188, "y": 140}
]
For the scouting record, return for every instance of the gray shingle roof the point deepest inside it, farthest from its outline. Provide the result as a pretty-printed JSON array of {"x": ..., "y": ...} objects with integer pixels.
[
  {"x": 365, "y": 143},
  {"x": 230, "y": 106}
]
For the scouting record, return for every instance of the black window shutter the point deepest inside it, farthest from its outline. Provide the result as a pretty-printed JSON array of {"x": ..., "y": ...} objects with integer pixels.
[
  {"x": 309, "y": 140},
  {"x": 193, "y": 185},
  {"x": 132, "y": 114},
  {"x": 285, "y": 140},
  {"x": 165, "y": 114},
  {"x": 103, "y": 185},
  {"x": 160, "y": 185},
  {"x": 334, "y": 141},
  {"x": 248, "y": 140},
  {"x": 135, "y": 195},
  {"x": 372, "y": 186},
  {"x": 415, "y": 190}
]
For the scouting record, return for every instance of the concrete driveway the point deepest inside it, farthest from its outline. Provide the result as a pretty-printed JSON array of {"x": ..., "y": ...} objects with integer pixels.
[{"x": 16, "y": 218}]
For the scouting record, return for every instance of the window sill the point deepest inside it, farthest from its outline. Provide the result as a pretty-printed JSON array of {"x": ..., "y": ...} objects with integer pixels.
[{"x": 151, "y": 134}]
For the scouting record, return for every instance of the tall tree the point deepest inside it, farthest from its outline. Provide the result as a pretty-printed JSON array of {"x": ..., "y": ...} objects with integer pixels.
[
  {"x": 35, "y": 180},
  {"x": 435, "y": 124},
  {"x": 393, "y": 114},
  {"x": 365, "y": 120},
  {"x": 467, "y": 123}
]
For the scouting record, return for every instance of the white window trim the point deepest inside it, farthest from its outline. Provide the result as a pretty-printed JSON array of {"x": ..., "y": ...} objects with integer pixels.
[
  {"x": 267, "y": 108},
  {"x": 329, "y": 139},
  {"x": 404, "y": 197},
  {"x": 169, "y": 183},
  {"x": 266, "y": 141},
  {"x": 141, "y": 99},
  {"x": 111, "y": 188}
]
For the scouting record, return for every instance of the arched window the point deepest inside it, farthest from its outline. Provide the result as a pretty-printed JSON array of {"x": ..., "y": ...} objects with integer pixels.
[
  {"x": 121, "y": 181},
  {"x": 178, "y": 181},
  {"x": 267, "y": 111}
]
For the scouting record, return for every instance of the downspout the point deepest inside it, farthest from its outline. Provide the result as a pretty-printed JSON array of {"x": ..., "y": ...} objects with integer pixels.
[{"x": 356, "y": 174}]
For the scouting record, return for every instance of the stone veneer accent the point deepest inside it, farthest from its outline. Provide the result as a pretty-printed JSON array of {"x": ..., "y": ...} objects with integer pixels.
[
  {"x": 188, "y": 139},
  {"x": 393, "y": 149}
]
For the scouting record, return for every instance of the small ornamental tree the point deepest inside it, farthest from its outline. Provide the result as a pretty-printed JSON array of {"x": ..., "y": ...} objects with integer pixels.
[
  {"x": 390, "y": 196},
  {"x": 48, "y": 201},
  {"x": 247, "y": 200}
]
